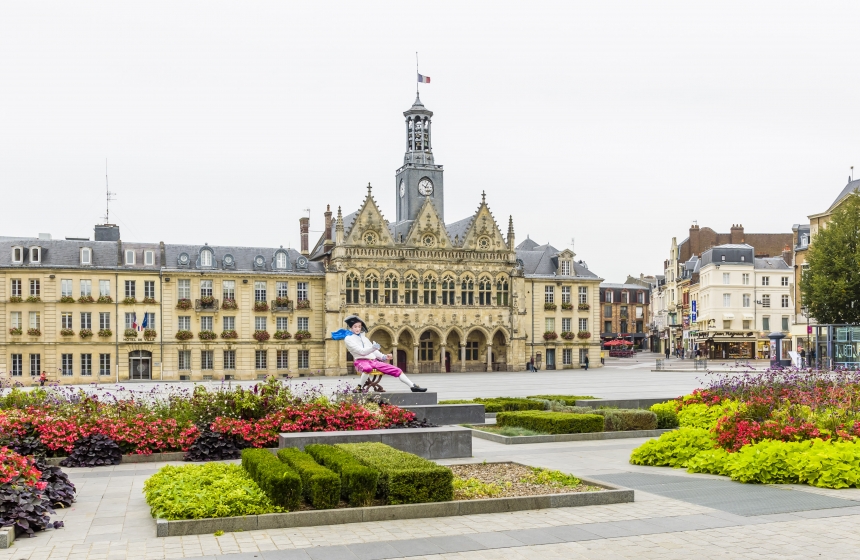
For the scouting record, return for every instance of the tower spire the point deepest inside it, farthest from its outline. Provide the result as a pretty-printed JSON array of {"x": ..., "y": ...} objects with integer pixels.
[{"x": 510, "y": 233}]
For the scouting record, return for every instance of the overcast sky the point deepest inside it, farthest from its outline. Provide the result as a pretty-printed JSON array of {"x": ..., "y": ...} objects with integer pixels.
[{"x": 614, "y": 123}]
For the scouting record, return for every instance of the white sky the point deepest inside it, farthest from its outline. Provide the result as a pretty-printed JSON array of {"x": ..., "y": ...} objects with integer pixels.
[{"x": 617, "y": 123}]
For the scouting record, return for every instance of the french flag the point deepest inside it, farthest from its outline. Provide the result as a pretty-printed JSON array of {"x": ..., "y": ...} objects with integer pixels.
[{"x": 423, "y": 79}]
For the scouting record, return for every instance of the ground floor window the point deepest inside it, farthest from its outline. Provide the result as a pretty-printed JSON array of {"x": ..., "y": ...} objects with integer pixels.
[
  {"x": 17, "y": 365},
  {"x": 304, "y": 359},
  {"x": 35, "y": 365},
  {"x": 567, "y": 357},
  {"x": 207, "y": 359},
  {"x": 425, "y": 348},
  {"x": 471, "y": 350},
  {"x": 86, "y": 364},
  {"x": 583, "y": 355},
  {"x": 104, "y": 364},
  {"x": 283, "y": 359},
  {"x": 229, "y": 359},
  {"x": 260, "y": 359},
  {"x": 67, "y": 364},
  {"x": 184, "y": 360}
]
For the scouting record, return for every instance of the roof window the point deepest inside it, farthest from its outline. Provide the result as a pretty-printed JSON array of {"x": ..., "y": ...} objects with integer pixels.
[
  {"x": 35, "y": 255},
  {"x": 17, "y": 255},
  {"x": 86, "y": 256}
]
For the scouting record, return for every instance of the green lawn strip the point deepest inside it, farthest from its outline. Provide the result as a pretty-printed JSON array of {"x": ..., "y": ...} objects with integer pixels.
[
  {"x": 357, "y": 482},
  {"x": 552, "y": 422},
  {"x": 321, "y": 486},
  {"x": 508, "y": 431},
  {"x": 205, "y": 491},
  {"x": 501, "y": 404},
  {"x": 569, "y": 400},
  {"x": 279, "y": 481},
  {"x": 404, "y": 478}
]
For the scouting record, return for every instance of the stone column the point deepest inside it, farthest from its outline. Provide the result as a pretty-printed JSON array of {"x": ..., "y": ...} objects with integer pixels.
[
  {"x": 415, "y": 358},
  {"x": 394, "y": 354},
  {"x": 489, "y": 357},
  {"x": 463, "y": 357},
  {"x": 442, "y": 357}
]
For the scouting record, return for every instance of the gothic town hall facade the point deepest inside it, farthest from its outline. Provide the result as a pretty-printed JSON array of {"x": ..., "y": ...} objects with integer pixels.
[{"x": 441, "y": 297}]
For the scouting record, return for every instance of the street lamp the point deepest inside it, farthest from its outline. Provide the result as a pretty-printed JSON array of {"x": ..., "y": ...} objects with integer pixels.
[{"x": 804, "y": 310}]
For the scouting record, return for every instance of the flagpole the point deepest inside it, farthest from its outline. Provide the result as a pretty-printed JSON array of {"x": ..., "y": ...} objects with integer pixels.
[{"x": 416, "y": 73}]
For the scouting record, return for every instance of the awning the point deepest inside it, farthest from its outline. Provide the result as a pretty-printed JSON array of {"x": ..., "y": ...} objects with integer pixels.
[
  {"x": 730, "y": 339},
  {"x": 728, "y": 315}
]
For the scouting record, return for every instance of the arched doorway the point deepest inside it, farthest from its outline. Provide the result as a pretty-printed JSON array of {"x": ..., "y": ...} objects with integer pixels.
[
  {"x": 140, "y": 364},
  {"x": 476, "y": 351},
  {"x": 405, "y": 343},
  {"x": 452, "y": 352},
  {"x": 428, "y": 352},
  {"x": 500, "y": 352}
]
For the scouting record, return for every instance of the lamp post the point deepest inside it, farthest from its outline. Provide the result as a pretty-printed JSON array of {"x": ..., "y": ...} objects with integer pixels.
[{"x": 804, "y": 310}]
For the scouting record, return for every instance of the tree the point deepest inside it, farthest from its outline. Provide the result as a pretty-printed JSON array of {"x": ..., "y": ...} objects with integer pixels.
[{"x": 831, "y": 284}]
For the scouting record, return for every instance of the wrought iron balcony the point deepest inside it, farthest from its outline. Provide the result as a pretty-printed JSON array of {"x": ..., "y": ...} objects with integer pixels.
[{"x": 210, "y": 304}]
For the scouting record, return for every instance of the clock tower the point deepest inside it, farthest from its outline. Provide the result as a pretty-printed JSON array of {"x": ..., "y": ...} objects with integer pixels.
[{"x": 419, "y": 177}]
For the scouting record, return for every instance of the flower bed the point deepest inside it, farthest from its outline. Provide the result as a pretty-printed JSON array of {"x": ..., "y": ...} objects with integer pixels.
[
  {"x": 149, "y": 300},
  {"x": 29, "y": 491},
  {"x": 770, "y": 427},
  {"x": 549, "y": 307},
  {"x": 567, "y": 306},
  {"x": 583, "y": 307},
  {"x": 129, "y": 333},
  {"x": 583, "y": 335},
  {"x": 549, "y": 422},
  {"x": 567, "y": 335},
  {"x": 55, "y": 421},
  {"x": 149, "y": 334},
  {"x": 16, "y": 299},
  {"x": 33, "y": 299}
]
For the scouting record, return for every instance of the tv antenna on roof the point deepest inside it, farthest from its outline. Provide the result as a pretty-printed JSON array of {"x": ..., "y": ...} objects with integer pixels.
[{"x": 108, "y": 196}]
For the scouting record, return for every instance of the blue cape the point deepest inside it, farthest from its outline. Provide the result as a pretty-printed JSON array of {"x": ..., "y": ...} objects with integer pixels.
[{"x": 341, "y": 334}]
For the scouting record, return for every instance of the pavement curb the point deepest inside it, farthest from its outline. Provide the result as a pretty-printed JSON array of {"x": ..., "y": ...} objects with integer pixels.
[
  {"x": 611, "y": 495},
  {"x": 555, "y": 438},
  {"x": 7, "y": 536}
]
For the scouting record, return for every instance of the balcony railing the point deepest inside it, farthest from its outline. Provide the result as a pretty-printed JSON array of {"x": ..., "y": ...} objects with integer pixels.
[
  {"x": 281, "y": 307},
  {"x": 200, "y": 305}
]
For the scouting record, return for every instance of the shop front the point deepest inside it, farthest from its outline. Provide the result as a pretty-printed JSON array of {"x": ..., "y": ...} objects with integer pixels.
[{"x": 727, "y": 345}]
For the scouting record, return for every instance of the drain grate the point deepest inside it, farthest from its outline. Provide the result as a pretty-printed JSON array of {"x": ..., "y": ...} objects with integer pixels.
[{"x": 726, "y": 495}]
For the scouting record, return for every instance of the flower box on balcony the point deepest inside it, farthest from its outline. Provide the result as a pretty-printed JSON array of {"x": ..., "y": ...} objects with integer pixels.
[
  {"x": 149, "y": 300},
  {"x": 206, "y": 303},
  {"x": 549, "y": 307},
  {"x": 567, "y": 306},
  {"x": 67, "y": 299},
  {"x": 567, "y": 335},
  {"x": 16, "y": 332},
  {"x": 302, "y": 335},
  {"x": 550, "y": 335},
  {"x": 207, "y": 335},
  {"x": 303, "y": 304},
  {"x": 261, "y": 306},
  {"x": 102, "y": 299},
  {"x": 229, "y": 335},
  {"x": 149, "y": 334},
  {"x": 89, "y": 299},
  {"x": 129, "y": 301},
  {"x": 261, "y": 336},
  {"x": 184, "y": 335},
  {"x": 282, "y": 335},
  {"x": 34, "y": 299},
  {"x": 183, "y": 303},
  {"x": 34, "y": 332},
  {"x": 15, "y": 299},
  {"x": 86, "y": 333},
  {"x": 67, "y": 332},
  {"x": 282, "y": 304},
  {"x": 229, "y": 304},
  {"x": 129, "y": 333},
  {"x": 105, "y": 333},
  {"x": 583, "y": 335},
  {"x": 583, "y": 307}
]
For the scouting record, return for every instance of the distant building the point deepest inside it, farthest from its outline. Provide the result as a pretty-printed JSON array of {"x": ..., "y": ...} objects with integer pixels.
[{"x": 624, "y": 312}]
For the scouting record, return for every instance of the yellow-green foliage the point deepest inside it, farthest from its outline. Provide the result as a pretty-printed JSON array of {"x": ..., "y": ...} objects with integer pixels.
[
  {"x": 204, "y": 491},
  {"x": 547, "y": 477},
  {"x": 667, "y": 417},
  {"x": 673, "y": 449},
  {"x": 704, "y": 416},
  {"x": 471, "y": 488}
]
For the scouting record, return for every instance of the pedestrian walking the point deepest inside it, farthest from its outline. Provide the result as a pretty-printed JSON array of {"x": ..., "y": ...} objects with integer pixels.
[
  {"x": 586, "y": 362},
  {"x": 42, "y": 379},
  {"x": 602, "y": 356},
  {"x": 667, "y": 351},
  {"x": 803, "y": 357}
]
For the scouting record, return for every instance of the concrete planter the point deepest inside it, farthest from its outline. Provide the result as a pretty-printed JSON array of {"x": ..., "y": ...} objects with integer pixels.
[
  {"x": 153, "y": 458},
  {"x": 449, "y": 442},
  {"x": 611, "y": 495},
  {"x": 593, "y": 436},
  {"x": 448, "y": 414}
]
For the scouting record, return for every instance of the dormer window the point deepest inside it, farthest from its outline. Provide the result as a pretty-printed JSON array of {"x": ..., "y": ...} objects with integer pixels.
[
  {"x": 86, "y": 256},
  {"x": 149, "y": 258},
  {"x": 723, "y": 258},
  {"x": 804, "y": 240},
  {"x": 743, "y": 258},
  {"x": 206, "y": 258},
  {"x": 607, "y": 296},
  {"x": 35, "y": 255},
  {"x": 565, "y": 268},
  {"x": 129, "y": 257},
  {"x": 17, "y": 255},
  {"x": 281, "y": 261}
]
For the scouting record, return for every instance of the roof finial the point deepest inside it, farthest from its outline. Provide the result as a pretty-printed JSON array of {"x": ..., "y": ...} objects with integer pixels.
[
  {"x": 483, "y": 196},
  {"x": 368, "y": 189}
]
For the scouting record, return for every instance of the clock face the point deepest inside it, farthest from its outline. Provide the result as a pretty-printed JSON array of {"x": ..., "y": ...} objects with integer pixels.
[
  {"x": 425, "y": 187},
  {"x": 402, "y": 189}
]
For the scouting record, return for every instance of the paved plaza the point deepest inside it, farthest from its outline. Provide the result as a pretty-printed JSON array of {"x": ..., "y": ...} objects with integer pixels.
[{"x": 675, "y": 514}]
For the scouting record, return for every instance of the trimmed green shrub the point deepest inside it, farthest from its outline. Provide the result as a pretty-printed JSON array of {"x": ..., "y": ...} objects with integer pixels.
[
  {"x": 673, "y": 449},
  {"x": 281, "y": 483},
  {"x": 552, "y": 422},
  {"x": 357, "y": 482},
  {"x": 204, "y": 491},
  {"x": 569, "y": 400},
  {"x": 404, "y": 478},
  {"x": 620, "y": 420},
  {"x": 557, "y": 406},
  {"x": 667, "y": 418},
  {"x": 321, "y": 487},
  {"x": 502, "y": 404},
  {"x": 704, "y": 416}
]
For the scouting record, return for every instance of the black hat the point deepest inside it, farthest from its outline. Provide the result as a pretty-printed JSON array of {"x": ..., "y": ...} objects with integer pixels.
[{"x": 353, "y": 319}]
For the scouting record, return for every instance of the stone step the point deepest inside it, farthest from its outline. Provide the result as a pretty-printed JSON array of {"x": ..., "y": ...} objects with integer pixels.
[
  {"x": 448, "y": 442},
  {"x": 408, "y": 398},
  {"x": 449, "y": 414}
]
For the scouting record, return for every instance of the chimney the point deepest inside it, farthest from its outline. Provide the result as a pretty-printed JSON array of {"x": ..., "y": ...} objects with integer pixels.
[
  {"x": 329, "y": 243},
  {"x": 304, "y": 226},
  {"x": 106, "y": 232},
  {"x": 737, "y": 235},
  {"x": 695, "y": 244},
  {"x": 787, "y": 255}
]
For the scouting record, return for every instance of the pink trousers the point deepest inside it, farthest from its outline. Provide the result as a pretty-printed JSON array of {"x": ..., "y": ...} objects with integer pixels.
[{"x": 367, "y": 366}]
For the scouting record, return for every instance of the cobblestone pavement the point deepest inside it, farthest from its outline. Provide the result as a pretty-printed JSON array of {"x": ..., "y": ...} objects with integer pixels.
[{"x": 111, "y": 521}]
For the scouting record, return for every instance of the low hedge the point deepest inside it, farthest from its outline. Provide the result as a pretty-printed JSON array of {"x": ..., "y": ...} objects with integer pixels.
[
  {"x": 357, "y": 482},
  {"x": 667, "y": 417},
  {"x": 621, "y": 420},
  {"x": 281, "y": 483},
  {"x": 321, "y": 487},
  {"x": 569, "y": 400},
  {"x": 204, "y": 491},
  {"x": 502, "y": 404},
  {"x": 404, "y": 478},
  {"x": 552, "y": 422}
]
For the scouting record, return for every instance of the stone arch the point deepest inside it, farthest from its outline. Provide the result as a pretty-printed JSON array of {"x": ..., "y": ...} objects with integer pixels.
[
  {"x": 407, "y": 330},
  {"x": 500, "y": 349},
  {"x": 384, "y": 336},
  {"x": 428, "y": 350},
  {"x": 480, "y": 329}
]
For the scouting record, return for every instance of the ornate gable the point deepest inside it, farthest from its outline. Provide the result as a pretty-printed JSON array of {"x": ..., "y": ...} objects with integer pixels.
[
  {"x": 483, "y": 233},
  {"x": 428, "y": 230},
  {"x": 369, "y": 229}
]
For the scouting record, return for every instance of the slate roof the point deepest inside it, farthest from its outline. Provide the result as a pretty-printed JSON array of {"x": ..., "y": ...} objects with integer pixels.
[
  {"x": 527, "y": 245},
  {"x": 459, "y": 228},
  {"x": 61, "y": 253},
  {"x": 542, "y": 261},
  {"x": 612, "y": 286},
  {"x": 243, "y": 258},
  {"x": 771, "y": 263},
  {"x": 849, "y": 188}
]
